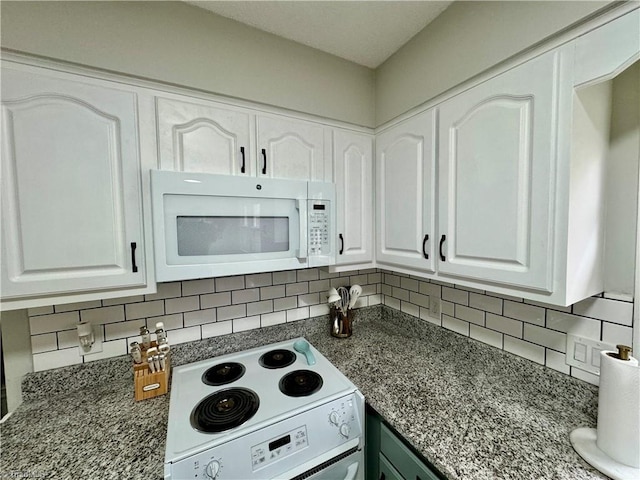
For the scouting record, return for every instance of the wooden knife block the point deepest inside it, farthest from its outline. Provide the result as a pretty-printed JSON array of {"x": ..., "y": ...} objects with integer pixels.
[{"x": 147, "y": 384}]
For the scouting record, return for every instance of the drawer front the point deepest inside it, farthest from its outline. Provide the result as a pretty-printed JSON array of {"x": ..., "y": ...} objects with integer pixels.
[
  {"x": 387, "y": 472},
  {"x": 404, "y": 460}
]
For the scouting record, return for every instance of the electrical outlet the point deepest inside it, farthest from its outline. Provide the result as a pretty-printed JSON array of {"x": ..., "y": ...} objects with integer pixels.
[
  {"x": 94, "y": 345},
  {"x": 584, "y": 353},
  {"x": 434, "y": 307}
]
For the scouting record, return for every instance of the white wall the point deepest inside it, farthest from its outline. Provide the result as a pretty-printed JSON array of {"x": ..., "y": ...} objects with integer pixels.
[
  {"x": 468, "y": 38},
  {"x": 182, "y": 44}
]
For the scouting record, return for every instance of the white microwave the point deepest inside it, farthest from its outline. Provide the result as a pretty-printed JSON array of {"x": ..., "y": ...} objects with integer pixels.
[{"x": 208, "y": 225}]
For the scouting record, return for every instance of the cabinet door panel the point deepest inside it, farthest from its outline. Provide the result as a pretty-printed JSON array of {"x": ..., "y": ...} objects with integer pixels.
[
  {"x": 497, "y": 161},
  {"x": 354, "y": 196},
  {"x": 292, "y": 150},
  {"x": 71, "y": 193},
  {"x": 405, "y": 186},
  {"x": 203, "y": 138}
]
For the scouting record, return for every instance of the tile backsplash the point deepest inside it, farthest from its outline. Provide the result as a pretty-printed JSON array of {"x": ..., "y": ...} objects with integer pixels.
[{"x": 197, "y": 309}]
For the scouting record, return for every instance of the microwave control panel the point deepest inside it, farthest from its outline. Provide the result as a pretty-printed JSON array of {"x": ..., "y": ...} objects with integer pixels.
[{"x": 319, "y": 221}]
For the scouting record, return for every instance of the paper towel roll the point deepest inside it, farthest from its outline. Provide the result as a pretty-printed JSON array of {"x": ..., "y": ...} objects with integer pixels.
[{"x": 618, "y": 428}]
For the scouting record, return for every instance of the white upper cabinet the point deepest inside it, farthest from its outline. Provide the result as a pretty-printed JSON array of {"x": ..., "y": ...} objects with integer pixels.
[
  {"x": 71, "y": 191},
  {"x": 203, "y": 137},
  {"x": 497, "y": 158},
  {"x": 292, "y": 149},
  {"x": 405, "y": 189},
  {"x": 353, "y": 174}
]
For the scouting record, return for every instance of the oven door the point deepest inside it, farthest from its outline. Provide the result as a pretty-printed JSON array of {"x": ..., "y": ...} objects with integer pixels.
[{"x": 348, "y": 466}]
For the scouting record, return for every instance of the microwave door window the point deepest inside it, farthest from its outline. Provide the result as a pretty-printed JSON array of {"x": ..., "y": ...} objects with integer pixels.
[{"x": 232, "y": 235}]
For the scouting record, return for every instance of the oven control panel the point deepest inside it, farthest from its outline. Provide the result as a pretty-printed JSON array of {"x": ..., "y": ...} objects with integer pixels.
[{"x": 277, "y": 448}]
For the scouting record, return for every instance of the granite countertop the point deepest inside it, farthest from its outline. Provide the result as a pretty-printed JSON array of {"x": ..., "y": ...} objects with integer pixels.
[{"x": 473, "y": 411}]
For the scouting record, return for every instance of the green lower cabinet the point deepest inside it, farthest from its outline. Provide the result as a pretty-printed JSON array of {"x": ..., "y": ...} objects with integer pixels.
[{"x": 388, "y": 457}]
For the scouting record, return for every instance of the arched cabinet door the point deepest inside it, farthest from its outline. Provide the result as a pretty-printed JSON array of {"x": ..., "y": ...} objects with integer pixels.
[
  {"x": 203, "y": 137},
  {"x": 405, "y": 189},
  {"x": 497, "y": 158},
  {"x": 292, "y": 149},
  {"x": 353, "y": 167},
  {"x": 71, "y": 201}
]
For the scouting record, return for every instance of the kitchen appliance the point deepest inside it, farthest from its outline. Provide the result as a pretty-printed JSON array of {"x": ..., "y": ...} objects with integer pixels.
[
  {"x": 265, "y": 413},
  {"x": 215, "y": 225}
]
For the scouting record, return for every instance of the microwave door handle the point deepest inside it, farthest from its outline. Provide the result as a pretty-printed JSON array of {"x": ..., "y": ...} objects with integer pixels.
[{"x": 301, "y": 205}]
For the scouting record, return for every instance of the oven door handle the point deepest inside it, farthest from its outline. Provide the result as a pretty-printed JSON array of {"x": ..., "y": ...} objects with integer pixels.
[
  {"x": 301, "y": 205},
  {"x": 352, "y": 471}
]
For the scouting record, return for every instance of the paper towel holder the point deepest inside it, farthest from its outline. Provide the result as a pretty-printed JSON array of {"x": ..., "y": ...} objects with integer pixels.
[{"x": 624, "y": 353}]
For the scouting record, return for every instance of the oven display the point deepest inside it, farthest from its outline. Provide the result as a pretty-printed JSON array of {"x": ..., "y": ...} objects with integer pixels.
[
  {"x": 279, "y": 443},
  {"x": 273, "y": 450}
]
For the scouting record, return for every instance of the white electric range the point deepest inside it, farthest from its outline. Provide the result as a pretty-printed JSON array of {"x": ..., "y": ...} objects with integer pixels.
[{"x": 265, "y": 413}]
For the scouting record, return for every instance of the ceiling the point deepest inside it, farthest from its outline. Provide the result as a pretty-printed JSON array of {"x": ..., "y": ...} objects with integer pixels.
[{"x": 363, "y": 31}]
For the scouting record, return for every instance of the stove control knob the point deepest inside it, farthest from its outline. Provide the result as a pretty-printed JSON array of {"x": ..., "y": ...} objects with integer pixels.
[
  {"x": 334, "y": 418},
  {"x": 345, "y": 430},
  {"x": 212, "y": 469}
]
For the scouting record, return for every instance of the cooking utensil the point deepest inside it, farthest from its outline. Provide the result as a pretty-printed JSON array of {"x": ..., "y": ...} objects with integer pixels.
[
  {"x": 354, "y": 292},
  {"x": 336, "y": 326},
  {"x": 344, "y": 298},
  {"x": 333, "y": 296},
  {"x": 302, "y": 346}
]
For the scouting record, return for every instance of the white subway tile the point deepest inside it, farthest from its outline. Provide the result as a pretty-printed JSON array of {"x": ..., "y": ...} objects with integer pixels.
[
  {"x": 165, "y": 290},
  {"x": 557, "y": 361},
  {"x": 32, "y": 312},
  {"x": 370, "y": 289},
  {"x": 546, "y": 305},
  {"x": 545, "y": 337},
  {"x": 107, "y": 302},
  {"x": 276, "y": 291},
  {"x": 604, "y": 309},
  {"x": 456, "y": 325},
  {"x": 246, "y": 323},
  {"x": 362, "y": 302},
  {"x": 234, "y": 311},
  {"x": 324, "y": 274},
  {"x": 419, "y": 299},
  {"x": 115, "y": 313},
  {"x": 431, "y": 289},
  {"x": 524, "y": 312},
  {"x": 258, "y": 280},
  {"x": 245, "y": 296},
  {"x": 56, "y": 359},
  {"x": 469, "y": 289},
  {"x": 111, "y": 349},
  {"x": 297, "y": 314},
  {"x": 486, "y": 303},
  {"x": 456, "y": 296},
  {"x": 226, "y": 284},
  {"x": 318, "y": 310},
  {"x": 200, "y": 317},
  {"x": 410, "y": 308},
  {"x": 574, "y": 324},
  {"x": 504, "y": 325},
  {"x": 296, "y": 289},
  {"x": 68, "y": 339},
  {"x": 118, "y": 330},
  {"x": 288, "y": 276},
  {"x": 618, "y": 334},
  {"x": 182, "y": 304},
  {"x": 532, "y": 352},
  {"x": 285, "y": 303},
  {"x": 144, "y": 309},
  {"x": 321, "y": 286},
  {"x": 585, "y": 376},
  {"x": 392, "y": 302},
  {"x": 392, "y": 280},
  {"x": 400, "y": 294},
  {"x": 270, "y": 319},
  {"x": 53, "y": 322},
  {"x": 470, "y": 315},
  {"x": 308, "y": 299},
  {"x": 386, "y": 290},
  {"x": 258, "y": 308},
  {"x": 505, "y": 296},
  {"x": 374, "y": 278},
  {"x": 447, "y": 308},
  {"x": 215, "y": 300},
  {"x": 44, "y": 343},
  {"x": 485, "y": 335},
  {"x": 339, "y": 282},
  {"x": 198, "y": 287},
  {"x": 171, "y": 322},
  {"x": 307, "y": 274},
  {"x": 217, "y": 329},
  {"x": 375, "y": 300},
  {"x": 69, "y": 307},
  {"x": 184, "y": 335}
]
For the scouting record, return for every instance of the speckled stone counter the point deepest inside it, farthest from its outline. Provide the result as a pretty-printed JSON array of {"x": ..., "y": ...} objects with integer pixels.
[{"x": 473, "y": 411}]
